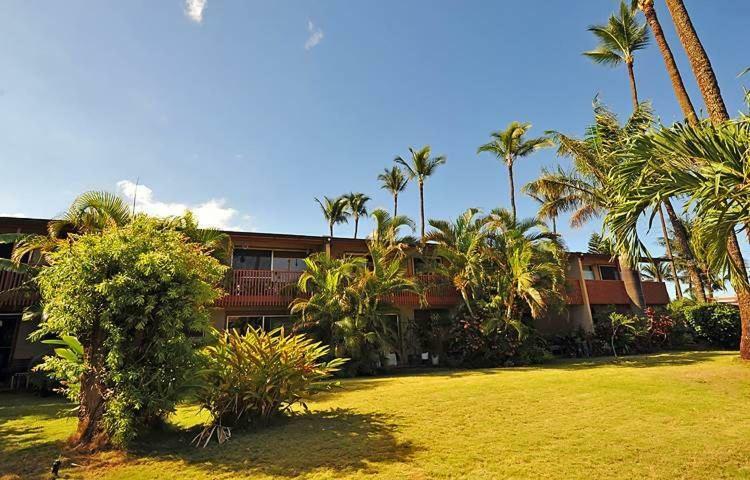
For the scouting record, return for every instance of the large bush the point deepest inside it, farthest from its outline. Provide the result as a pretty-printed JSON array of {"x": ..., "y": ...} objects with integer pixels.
[
  {"x": 717, "y": 324},
  {"x": 132, "y": 295},
  {"x": 249, "y": 378}
]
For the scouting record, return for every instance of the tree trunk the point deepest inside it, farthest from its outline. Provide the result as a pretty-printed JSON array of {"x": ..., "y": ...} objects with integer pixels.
[
  {"x": 633, "y": 286},
  {"x": 91, "y": 434},
  {"x": 395, "y": 204},
  {"x": 633, "y": 87},
  {"x": 356, "y": 225},
  {"x": 742, "y": 290},
  {"x": 554, "y": 225},
  {"x": 681, "y": 237},
  {"x": 421, "y": 206},
  {"x": 330, "y": 229},
  {"x": 512, "y": 190},
  {"x": 678, "y": 289},
  {"x": 647, "y": 6},
  {"x": 699, "y": 62}
]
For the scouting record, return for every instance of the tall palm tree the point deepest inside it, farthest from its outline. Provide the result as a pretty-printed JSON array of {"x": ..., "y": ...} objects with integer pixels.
[
  {"x": 548, "y": 205},
  {"x": 590, "y": 190},
  {"x": 647, "y": 7},
  {"x": 619, "y": 39},
  {"x": 629, "y": 38},
  {"x": 420, "y": 166},
  {"x": 357, "y": 205},
  {"x": 699, "y": 61},
  {"x": 508, "y": 145},
  {"x": 395, "y": 182},
  {"x": 334, "y": 211},
  {"x": 688, "y": 160}
]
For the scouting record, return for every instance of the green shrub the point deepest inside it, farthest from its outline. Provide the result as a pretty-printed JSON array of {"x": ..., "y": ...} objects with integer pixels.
[
  {"x": 250, "y": 378},
  {"x": 717, "y": 324},
  {"x": 132, "y": 296}
]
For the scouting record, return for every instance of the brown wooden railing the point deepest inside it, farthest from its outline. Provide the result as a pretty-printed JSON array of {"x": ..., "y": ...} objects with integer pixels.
[
  {"x": 266, "y": 288},
  {"x": 260, "y": 288},
  {"x": 10, "y": 295},
  {"x": 439, "y": 292}
]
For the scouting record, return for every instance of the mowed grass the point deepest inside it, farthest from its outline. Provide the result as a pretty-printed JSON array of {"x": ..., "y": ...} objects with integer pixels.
[{"x": 676, "y": 415}]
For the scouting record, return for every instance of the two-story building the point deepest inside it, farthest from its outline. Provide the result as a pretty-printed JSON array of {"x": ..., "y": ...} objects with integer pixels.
[{"x": 265, "y": 270}]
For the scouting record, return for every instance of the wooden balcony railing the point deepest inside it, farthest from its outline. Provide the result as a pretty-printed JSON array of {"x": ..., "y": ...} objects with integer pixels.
[
  {"x": 266, "y": 288},
  {"x": 439, "y": 292},
  {"x": 10, "y": 296},
  {"x": 260, "y": 288}
]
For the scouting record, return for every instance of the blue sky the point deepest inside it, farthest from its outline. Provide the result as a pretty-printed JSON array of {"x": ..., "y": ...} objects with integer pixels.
[{"x": 246, "y": 110}]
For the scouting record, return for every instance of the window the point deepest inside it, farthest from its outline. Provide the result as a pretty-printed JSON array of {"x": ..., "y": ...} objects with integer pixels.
[
  {"x": 6, "y": 249},
  {"x": 251, "y": 259},
  {"x": 588, "y": 272},
  {"x": 608, "y": 272},
  {"x": 425, "y": 265},
  {"x": 289, "y": 261},
  {"x": 264, "y": 322}
]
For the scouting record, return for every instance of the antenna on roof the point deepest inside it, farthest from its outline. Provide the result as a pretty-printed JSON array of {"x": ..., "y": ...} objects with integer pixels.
[{"x": 135, "y": 193}]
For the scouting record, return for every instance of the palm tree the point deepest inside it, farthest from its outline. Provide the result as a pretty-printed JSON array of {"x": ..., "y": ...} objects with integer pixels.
[
  {"x": 357, "y": 205},
  {"x": 508, "y": 145},
  {"x": 590, "y": 190},
  {"x": 419, "y": 167},
  {"x": 656, "y": 272},
  {"x": 395, "y": 182},
  {"x": 699, "y": 61},
  {"x": 532, "y": 265},
  {"x": 601, "y": 245},
  {"x": 647, "y": 7},
  {"x": 619, "y": 39},
  {"x": 460, "y": 244},
  {"x": 387, "y": 229},
  {"x": 334, "y": 210},
  {"x": 688, "y": 160},
  {"x": 548, "y": 205}
]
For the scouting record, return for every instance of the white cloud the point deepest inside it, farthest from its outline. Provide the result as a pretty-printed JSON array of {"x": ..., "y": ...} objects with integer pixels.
[
  {"x": 211, "y": 213},
  {"x": 194, "y": 9},
  {"x": 316, "y": 35},
  {"x": 16, "y": 215}
]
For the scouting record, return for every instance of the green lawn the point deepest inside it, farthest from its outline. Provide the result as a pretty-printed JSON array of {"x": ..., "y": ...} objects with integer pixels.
[{"x": 681, "y": 415}]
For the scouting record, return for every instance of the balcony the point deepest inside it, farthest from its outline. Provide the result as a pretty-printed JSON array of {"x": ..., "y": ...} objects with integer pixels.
[
  {"x": 266, "y": 288},
  {"x": 14, "y": 300},
  {"x": 612, "y": 292},
  {"x": 573, "y": 293}
]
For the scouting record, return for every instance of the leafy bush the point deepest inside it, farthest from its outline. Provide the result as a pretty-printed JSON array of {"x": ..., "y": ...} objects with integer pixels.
[
  {"x": 617, "y": 333},
  {"x": 131, "y": 295},
  {"x": 250, "y": 378},
  {"x": 717, "y": 324},
  {"x": 66, "y": 366}
]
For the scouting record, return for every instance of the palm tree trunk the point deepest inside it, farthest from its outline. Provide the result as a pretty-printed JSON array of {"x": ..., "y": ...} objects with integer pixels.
[
  {"x": 681, "y": 238},
  {"x": 633, "y": 286},
  {"x": 743, "y": 295},
  {"x": 395, "y": 204},
  {"x": 647, "y": 6},
  {"x": 356, "y": 225},
  {"x": 717, "y": 111},
  {"x": 330, "y": 229},
  {"x": 633, "y": 87},
  {"x": 699, "y": 62},
  {"x": 554, "y": 225},
  {"x": 421, "y": 206},
  {"x": 512, "y": 190},
  {"x": 668, "y": 245}
]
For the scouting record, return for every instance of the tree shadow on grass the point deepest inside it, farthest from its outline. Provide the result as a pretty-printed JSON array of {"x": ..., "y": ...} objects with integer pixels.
[
  {"x": 26, "y": 450},
  {"x": 339, "y": 440},
  {"x": 662, "y": 359}
]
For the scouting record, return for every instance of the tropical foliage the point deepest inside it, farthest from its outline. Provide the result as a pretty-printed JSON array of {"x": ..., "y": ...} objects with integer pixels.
[
  {"x": 509, "y": 145},
  {"x": 356, "y": 203},
  {"x": 248, "y": 378},
  {"x": 418, "y": 167},
  {"x": 335, "y": 211},
  {"x": 395, "y": 182},
  {"x": 133, "y": 296}
]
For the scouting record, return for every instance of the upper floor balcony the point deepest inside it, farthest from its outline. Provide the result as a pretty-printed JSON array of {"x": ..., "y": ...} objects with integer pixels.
[{"x": 271, "y": 288}]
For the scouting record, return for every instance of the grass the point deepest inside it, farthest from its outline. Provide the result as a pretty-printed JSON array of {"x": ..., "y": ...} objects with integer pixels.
[{"x": 677, "y": 415}]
